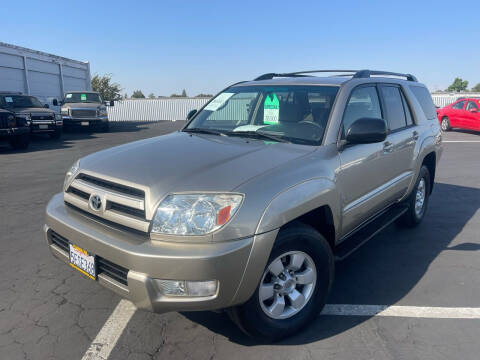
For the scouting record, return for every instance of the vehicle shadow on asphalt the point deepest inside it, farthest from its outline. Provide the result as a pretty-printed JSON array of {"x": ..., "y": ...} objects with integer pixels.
[{"x": 384, "y": 270}]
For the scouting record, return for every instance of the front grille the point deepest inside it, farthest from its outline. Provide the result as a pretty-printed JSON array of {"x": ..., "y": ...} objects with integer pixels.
[
  {"x": 111, "y": 185},
  {"x": 114, "y": 271},
  {"x": 120, "y": 204},
  {"x": 60, "y": 241},
  {"x": 87, "y": 113},
  {"x": 42, "y": 117}
]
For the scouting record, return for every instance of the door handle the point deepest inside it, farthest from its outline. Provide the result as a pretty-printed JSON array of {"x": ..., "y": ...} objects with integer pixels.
[
  {"x": 387, "y": 146},
  {"x": 415, "y": 135}
]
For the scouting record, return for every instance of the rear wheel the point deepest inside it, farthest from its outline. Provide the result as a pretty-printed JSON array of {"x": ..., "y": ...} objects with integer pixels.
[
  {"x": 20, "y": 142},
  {"x": 445, "y": 124},
  {"x": 293, "y": 288},
  {"x": 418, "y": 200}
]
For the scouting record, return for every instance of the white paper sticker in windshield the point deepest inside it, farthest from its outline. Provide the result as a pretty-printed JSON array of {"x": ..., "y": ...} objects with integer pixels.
[
  {"x": 271, "y": 109},
  {"x": 219, "y": 101},
  {"x": 83, "y": 97},
  {"x": 8, "y": 99},
  {"x": 69, "y": 96}
]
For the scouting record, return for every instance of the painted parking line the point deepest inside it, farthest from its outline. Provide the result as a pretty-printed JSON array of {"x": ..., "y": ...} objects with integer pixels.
[
  {"x": 461, "y": 141},
  {"x": 402, "y": 311},
  {"x": 108, "y": 336}
]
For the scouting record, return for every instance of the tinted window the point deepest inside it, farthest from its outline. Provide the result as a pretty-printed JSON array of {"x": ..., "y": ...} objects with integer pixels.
[
  {"x": 82, "y": 98},
  {"x": 406, "y": 107},
  {"x": 425, "y": 100},
  {"x": 393, "y": 107},
  {"x": 20, "y": 101},
  {"x": 459, "y": 105},
  {"x": 471, "y": 105},
  {"x": 363, "y": 102}
]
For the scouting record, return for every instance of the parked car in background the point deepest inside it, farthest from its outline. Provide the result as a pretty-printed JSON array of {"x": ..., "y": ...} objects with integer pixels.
[
  {"x": 462, "y": 114},
  {"x": 42, "y": 119},
  {"x": 85, "y": 109},
  {"x": 15, "y": 130}
]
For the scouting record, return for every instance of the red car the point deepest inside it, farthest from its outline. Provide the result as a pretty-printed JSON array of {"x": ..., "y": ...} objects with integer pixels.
[{"x": 463, "y": 113}]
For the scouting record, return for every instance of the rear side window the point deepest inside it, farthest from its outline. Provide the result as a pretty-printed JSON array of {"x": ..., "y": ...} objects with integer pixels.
[
  {"x": 393, "y": 107},
  {"x": 408, "y": 113},
  {"x": 425, "y": 100},
  {"x": 363, "y": 102},
  {"x": 459, "y": 105}
]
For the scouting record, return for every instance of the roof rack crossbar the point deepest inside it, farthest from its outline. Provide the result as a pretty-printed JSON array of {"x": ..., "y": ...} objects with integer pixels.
[{"x": 353, "y": 73}]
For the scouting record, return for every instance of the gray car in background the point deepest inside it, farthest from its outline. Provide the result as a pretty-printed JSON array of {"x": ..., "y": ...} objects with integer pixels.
[
  {"x": 85, "y": 109},
  {"x": 247, "y": 208}
]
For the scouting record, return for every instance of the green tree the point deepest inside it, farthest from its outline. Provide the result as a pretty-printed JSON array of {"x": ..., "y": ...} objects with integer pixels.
[
  {"x": 138, "y": 94},
  {"x": 202, "y": 95},
  {"x": 458, "y": 85},
  {"x": 184, "y": 93},
  {"x": 151, "y": 96},
  {"x": 108, "y": 90},
  {"x": 476, "y": 88}
]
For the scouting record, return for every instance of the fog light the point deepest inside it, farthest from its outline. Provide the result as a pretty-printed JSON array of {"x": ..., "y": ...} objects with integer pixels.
[{"x": 187, "y": 288}]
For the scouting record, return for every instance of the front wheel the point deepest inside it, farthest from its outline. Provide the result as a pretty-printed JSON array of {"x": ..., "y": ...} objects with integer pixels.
[
  {"x": 56, "y": 134},
  {"x": 293, "y": 288},
  {"x": 20, "y": 142},
  {"x": 445, "y": 124}
]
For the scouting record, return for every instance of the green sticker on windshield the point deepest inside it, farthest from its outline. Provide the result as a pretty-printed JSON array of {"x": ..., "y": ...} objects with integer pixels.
[
  {"x": 83, "y": 97},
  {"x": 271, "y": 109}
]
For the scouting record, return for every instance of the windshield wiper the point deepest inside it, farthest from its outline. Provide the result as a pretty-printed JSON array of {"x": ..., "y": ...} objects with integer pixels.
[
  {"x": 204, "y": 131},
  {"x": 257, "y": 134}
]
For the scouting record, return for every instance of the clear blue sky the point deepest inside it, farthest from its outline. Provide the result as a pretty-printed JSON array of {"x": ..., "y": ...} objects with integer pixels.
[{"x": 165, "y": 46}]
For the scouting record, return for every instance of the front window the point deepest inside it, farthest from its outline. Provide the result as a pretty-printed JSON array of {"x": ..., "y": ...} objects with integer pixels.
[
  {"x": 19, "y": 101},
  {"x": 82, "y": 98},
  {"x": 296, "y": 114}
]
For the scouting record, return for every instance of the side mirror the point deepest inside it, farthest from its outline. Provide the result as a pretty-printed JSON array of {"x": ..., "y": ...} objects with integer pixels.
[
  {"x": 191, "y": 114},
  {"x": 473, "y": 110},
  {"x": 55, "y": 102},
  {"x": 366, "y": 130},
  {"x": 112, "y": 103},
  {"x": 46, "y": 106}
]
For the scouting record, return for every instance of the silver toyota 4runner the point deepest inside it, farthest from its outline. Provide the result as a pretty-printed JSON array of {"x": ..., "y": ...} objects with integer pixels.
[{"x": 247, "y": 208}]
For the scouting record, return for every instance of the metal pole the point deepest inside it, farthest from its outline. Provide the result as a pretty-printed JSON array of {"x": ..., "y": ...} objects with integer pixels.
[{"x": 25, "y": 71}]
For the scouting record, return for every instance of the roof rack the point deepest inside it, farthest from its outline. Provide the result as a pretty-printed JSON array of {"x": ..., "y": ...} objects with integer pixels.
[
  {"x": 354, "y": 74},
  {"x": 11, "y": 92}
]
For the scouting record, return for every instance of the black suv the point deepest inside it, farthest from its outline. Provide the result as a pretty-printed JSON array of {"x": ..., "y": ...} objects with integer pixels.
[
  {"x": 43, "y": 120},
  {"x": 15, "y": 130}
]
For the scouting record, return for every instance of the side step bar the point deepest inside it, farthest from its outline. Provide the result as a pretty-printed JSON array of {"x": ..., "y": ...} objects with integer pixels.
[{"x": 368, "y": 231}]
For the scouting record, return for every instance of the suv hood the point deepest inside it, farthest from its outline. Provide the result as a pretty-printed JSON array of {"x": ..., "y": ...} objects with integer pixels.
[
  {"x": 32, "y": 110},
  {"x": 82, "y": 105},
  {"x": 190, "y": 162}
]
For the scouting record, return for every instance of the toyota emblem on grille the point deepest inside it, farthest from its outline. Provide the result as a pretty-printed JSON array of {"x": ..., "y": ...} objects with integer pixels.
[{"x": 95, "y": 202}]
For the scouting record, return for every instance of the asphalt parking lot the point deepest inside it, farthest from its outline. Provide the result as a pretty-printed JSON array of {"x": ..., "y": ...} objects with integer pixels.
[{"x": 49, "y": 311}]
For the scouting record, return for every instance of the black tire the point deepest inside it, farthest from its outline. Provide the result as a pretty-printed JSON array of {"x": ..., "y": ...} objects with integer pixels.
[
  {"x": 255, "y": 322},
  {"x": 445, "y": 124},
  {"x": 56, "y": 134},
  {"x": 20, "y": 142},
  {"x": 413, "y": 217},
  {"x": 105, "y": 127}
]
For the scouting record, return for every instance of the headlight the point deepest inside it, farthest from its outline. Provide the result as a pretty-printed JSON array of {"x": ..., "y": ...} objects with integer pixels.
[
  {"x": 102, "y": 112},
  {"x": 58, "y": 117},
  {"x": 11, "y": 121},
  {"x": 195, "y": 214},
  {"x": 64, "y": 111},
  {"x": 71, "y": 174}
]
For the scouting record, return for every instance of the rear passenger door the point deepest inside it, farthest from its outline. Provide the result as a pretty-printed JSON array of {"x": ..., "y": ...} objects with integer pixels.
[
  {"x": 400, "y": 143},
  {"x": 457, "y": 114}
]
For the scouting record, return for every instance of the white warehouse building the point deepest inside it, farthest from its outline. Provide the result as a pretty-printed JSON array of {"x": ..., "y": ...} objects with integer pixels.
[{"x": 40, "y": 74}]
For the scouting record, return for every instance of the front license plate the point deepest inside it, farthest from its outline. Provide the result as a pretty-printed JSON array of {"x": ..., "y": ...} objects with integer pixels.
[
  {"x": 43, "y": 127},
  {"x": 84, "y": 123},
  {"x": 82, "y": 261}
]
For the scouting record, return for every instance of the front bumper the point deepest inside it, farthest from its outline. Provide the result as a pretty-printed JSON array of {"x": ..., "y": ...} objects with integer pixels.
[
  {"x": 39, "y": 127},
  {"x": 68, "y": 120},
  {"x": 234, "y": 264},
  {"x": 6, "y": 133}
]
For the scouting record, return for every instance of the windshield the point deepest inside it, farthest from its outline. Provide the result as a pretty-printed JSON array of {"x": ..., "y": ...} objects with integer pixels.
[
  {"x": 82, "y": 98},
  {"x": 19, "y": 101},
  {"x": 296, "y": 114}
]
